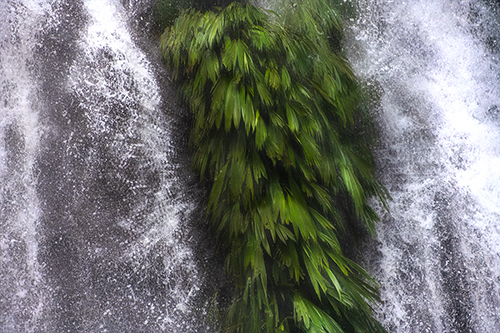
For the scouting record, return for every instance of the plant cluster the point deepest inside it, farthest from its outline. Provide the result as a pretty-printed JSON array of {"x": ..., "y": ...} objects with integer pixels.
[{"x": 274, "y": 132}]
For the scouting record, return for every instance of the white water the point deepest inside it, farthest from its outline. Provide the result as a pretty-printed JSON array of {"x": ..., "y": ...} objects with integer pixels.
[
  {"x": 438, "y": 252},
  {"x": 94, "y": 192},
  {"x": 21, "y": 298}
]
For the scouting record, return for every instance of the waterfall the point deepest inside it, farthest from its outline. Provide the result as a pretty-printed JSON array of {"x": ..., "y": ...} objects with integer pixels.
[
  {"x": 99, "y": 214},
  {"x": 433, "y": 67},
  {"x": 96, "y": 197}
]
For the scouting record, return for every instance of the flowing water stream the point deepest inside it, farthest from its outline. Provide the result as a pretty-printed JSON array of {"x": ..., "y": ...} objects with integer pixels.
[
  {"x": 96, "y": 197},
  {"x": 98, "y": 207},
  {"x": 434, "y": 67}
]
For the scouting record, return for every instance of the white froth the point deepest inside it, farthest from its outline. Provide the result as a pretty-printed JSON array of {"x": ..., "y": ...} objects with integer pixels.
[{"x": 438, "y": 82}]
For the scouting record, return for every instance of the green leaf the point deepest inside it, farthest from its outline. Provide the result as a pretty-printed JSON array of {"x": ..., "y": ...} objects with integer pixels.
[
  {"x": 264, "y": 94},
  {"x": 313, "y": 317},
  {"x": 273, "y": 78},
  {"x": 232, "y": 107},
  {"x": 217, "y": 188},
  {"x": 293, "y": 122},
  {"x": 353, "y": 187},
  {"x": 260, "y": 133},
  {"x": 285, "y": 78},
  {"x": 258, "y": 167}
]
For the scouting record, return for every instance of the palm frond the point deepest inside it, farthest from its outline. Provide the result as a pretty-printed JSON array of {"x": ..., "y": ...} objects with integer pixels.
[{"x": 274, "y": 132}]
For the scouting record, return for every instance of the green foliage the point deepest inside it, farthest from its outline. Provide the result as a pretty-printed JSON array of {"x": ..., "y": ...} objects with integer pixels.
[
  {"x": 166, "y": 11},
  {"x": 274, "y": 131}
]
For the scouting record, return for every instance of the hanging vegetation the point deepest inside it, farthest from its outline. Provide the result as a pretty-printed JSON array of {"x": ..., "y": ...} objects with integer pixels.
[{"x": 274, "y": 132}]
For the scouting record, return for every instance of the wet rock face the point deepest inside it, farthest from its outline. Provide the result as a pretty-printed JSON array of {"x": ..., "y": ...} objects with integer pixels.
[
  {"x": 99, "y": 214},
  {"x": 437, "y": 69},
  {"x": 97, "y": 203}
]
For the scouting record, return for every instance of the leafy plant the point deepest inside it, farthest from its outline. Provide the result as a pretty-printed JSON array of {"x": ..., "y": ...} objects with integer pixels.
[{"x": 274, "y": 132}]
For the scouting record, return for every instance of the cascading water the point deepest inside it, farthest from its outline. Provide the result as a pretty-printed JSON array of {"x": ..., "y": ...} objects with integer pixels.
[
  {"x": 434, "y": 66},
  {"x": 95, "y": 190},
  {"x": 96, "y": 199}
]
